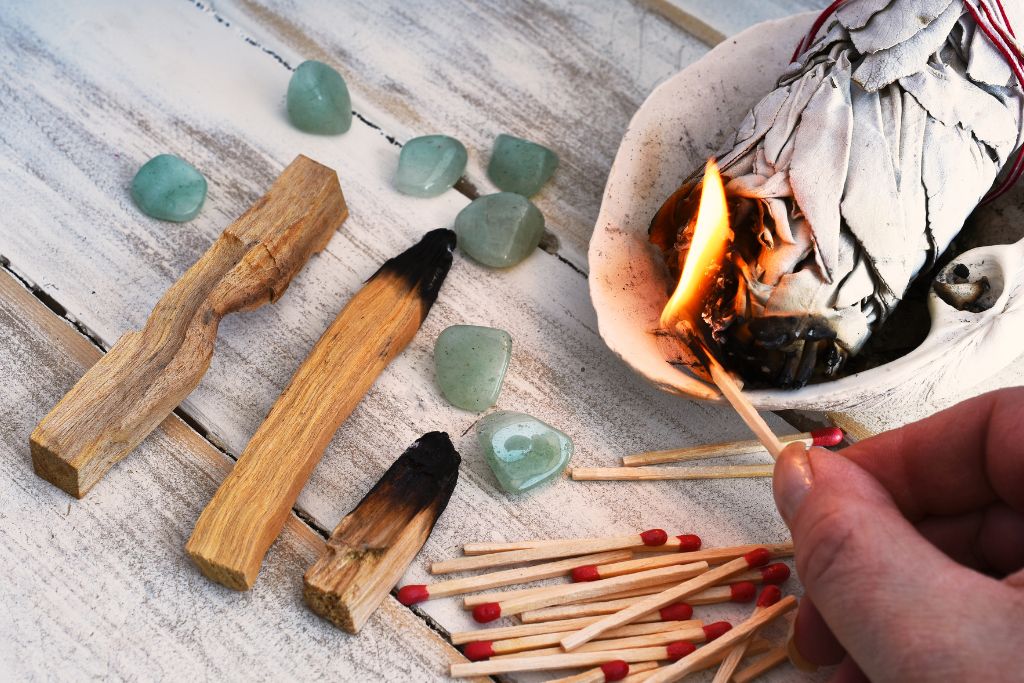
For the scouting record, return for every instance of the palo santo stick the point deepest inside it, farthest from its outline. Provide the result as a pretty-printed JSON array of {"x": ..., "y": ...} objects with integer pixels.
[
  {"x": 558, "y": 595},
  {"x": 609, "y": 671},
  {"x": 692, "y": 634},
  {"x": 681, "y": 543},
  {"x": 415, "y": 593},
  {"x": 757, "y": 646},
  {"x": 570, "y": 660},
  {"x": 373, "y": 545},
  {"x": 711, "y": 555},
  {"x": 568, "y": 548},
  {"x": 670, "y": 473},
  {"x": 769, "y": 596},
  {"x": 829, "y": 436},
  {"x": 647, "y": 605},
  {"x": 740, "y": 592},
  {"x": 250, "y": 507},
  {"x": 124, "y": 396},
  {"x": 699, "y": 659},
  {"x": 771, "y": 660}
]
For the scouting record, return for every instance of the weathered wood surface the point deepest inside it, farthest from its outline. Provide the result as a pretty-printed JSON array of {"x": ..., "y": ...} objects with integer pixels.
[
  {"x": 101, "y": 588},
  {"x": 713, "y": 22}
]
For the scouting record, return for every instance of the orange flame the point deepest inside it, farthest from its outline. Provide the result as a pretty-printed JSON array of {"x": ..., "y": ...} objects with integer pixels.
[{"x": 711, "y": 236}]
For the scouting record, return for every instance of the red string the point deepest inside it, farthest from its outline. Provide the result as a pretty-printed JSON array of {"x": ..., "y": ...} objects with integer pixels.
[{"x": 815, "y": 27}]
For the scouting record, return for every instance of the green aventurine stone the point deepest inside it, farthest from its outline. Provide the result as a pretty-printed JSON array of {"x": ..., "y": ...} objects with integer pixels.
[
  {"x": 429, "y": 165},
  {"x": 499, "y": 230},
  {"x": 169, "y": 188},
  {"x": 318, "y": 100},
  {"x": 520, "y": 166},
  {"x": 522, "y": 451},
  {"x": 470, "y": 362}
]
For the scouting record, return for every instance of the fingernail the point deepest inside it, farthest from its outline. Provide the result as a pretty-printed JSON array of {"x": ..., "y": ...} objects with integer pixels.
[{"x": 792, "y": 480}]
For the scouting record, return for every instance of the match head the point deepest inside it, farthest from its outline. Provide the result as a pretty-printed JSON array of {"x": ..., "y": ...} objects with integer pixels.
[
  {"x": 654, "y": 537},
  {"x": 689, "y": 543},
  {"x": 775, "y": 573},
  {"x": 829, "y": 436},
  {"x": 487, "y": 612},
  {"x": 679, "y": 611},
  {"x": 758, "y": 557},
  {"x": 679, "y": 649},
  {"x": 743, "y": 591},
  {"x": 479, "y": 650},
  {"x": 615, "y": 670},
  {"x": 412, "y": 594},
  {"x": 769, "y": 596},
  {"x": 587, "y": 572},
  {"x": 716, "y": 629}
]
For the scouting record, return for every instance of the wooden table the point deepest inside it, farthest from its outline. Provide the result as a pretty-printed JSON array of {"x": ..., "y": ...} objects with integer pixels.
[{"x": 101, "y": 587}]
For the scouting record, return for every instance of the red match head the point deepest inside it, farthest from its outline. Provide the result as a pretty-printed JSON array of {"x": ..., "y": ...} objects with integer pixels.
[
  {"x": 481, "y": 649},
  {"x": 769, "y": 596},
  {"x": 829, "y": 436},
  {"x": 714, "y": 630},
  {"x": 487, "y": 612},
  {"x": 587, "y": 572},
  {"x": 680, "y": 611},
  {"x": 654, "y": 537},
  {"x": 776, "y": 573},
  {"x": 412, "y": 594},
  {"x": 757, "y": 557},
  {"x": 689, "y": 543},
  {"x": 615, "y": 671},
  {"x": 680, "y": 649},
  {"x": 743, "y": 591}
]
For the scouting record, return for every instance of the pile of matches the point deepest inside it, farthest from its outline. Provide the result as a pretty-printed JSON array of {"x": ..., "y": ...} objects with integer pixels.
[{"x": 625, "y": 612}]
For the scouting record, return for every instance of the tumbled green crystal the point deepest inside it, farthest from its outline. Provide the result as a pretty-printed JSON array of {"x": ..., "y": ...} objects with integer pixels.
[
  {"x": 169, "y": 188},
  {"x": 520, "y": 166},
  {"x": 522, "y": 451},
  {"x": 429, "y": 165},
  {"x": 470, "y": 363},
  {"x": 318, "y": 100},
  {"x": 499, "y": 230}
]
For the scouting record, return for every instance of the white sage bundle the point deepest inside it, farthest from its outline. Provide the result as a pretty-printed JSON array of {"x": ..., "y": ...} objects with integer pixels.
[{"x": 853, "y": 176}]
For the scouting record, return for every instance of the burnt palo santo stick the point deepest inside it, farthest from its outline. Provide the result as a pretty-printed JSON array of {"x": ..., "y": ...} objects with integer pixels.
[
  {"x": 249, "y": 509},
  {"x": 373, "y": 545},
  {"x": 825, "y": 437},
  {"x": 147, "y": 373}
]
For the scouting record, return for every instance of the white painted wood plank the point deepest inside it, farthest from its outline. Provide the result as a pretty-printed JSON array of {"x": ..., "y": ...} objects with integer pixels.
[
  {"x": 566, "y": 74},
  {"x": 75, "y": 131},
  {"x": 101, "y": 588},
  {"x": 714, "y": 21}
]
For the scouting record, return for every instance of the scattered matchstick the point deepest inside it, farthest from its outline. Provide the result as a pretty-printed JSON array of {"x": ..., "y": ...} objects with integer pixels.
[
  {"x": 550, "y": 551},
  {"x": 769, "y": 596},
  {"x": 740, "y": 592},
  {"x": 682, "y": 543},
  {"x": 672, "y": 613},
  {"x": 775, "y": 573},
  {"x": 754, "y": 558},
  {"x": 608, "y": 672},
  {"x": 671, "y": 473},
  {"x": 697, "y": 660},
  {"x": 593, "y": 572},
  {"x": 771, "y": 660},
  {"x": 691, "y": 634},
  {"x": 757, "y": 646},
  {"x": 826, "y": 437},
  {"x": 571, "y": 660}
]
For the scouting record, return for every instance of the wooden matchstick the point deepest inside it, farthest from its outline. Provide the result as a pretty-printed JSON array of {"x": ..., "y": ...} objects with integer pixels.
[
  {"x": 740, "y": 592},
  {"x": 374, "y": 544},
  {"x": 829, "y": 436},
  {"x": 681, "y": 543},
  {"x": 742, "y": 405},
  {"x": 607, "y": 672},
  {"x": 755, "y": 558},
  {"x": 558, "y": 595},
  {"x": 251, "y": 506},
  {"x": 593, "y": 572},
  {"x": 768, "y": 597},
  {"x": 771, "y": 660},
  {"x": 691, "y": 634},
  {"x": 571, "y": 660},
  {"x": 699, "y": 659},
  {"x": 124, "y": 396},
  {"x": 774, "y": 573},
  {"x": 757, "y": 646},
  {"x": 567, "y": 548},
  {"x": 670, "y": 473}
]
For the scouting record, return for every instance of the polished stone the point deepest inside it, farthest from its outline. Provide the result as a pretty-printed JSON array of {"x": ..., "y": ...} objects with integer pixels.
[
  {"x": 499, "y": 230},
  {"x": 430, "y": 165},
  {"x": 522, "y": 451},
  {"x": 470, "y": 363},
  {"x": 520, "y": 166},
  {"x": 318, "y": 100},
  {"x": 169, "y": 188}
]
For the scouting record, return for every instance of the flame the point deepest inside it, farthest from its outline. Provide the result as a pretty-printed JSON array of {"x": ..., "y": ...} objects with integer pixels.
[{"x": 711, "y": 236}]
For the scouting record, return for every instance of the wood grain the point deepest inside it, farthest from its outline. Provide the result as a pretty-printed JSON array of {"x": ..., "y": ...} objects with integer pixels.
[{"x": 713, "y": 22}]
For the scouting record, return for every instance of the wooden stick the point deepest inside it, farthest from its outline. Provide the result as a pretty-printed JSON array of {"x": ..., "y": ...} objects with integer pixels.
[
  {"x": 746, "y": 410},
  {"x": 610, "y": 671},
  {"x": 737, "y": 593},
  {"x": 769, "y": 596},
  {"x": 757, "y": 646},
  {"x": 471, "y": 601},
  {"x": 558, "y": 595},
  {"x": 647, "y": 605},
  {"x": 670, "y": 473},
  {"x": 691, "y": 634},
  {"x": 124, "y": 396},
  {"x": 484, "y": 649},
  {"x": 524, "y": 630},
  {"x": 700, "y": 658},
  {"x": 570, "y": 660},
  {"x": 775, "y": 573},
  {"x": 710, "y": 555},
  {"x": 250, "y": 507},
  {"x": 473, "y": 549},
  {"x": 829, "y": 436},
  {"x": 771, "y": 660},
  {"x": 374, "y": 544},
  {"x": 550, "y": 551},
  {"x": 673, "y": 543}
]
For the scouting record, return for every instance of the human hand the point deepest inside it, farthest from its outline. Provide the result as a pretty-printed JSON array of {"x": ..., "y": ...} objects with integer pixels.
[{"x": 910, "y": 546}]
